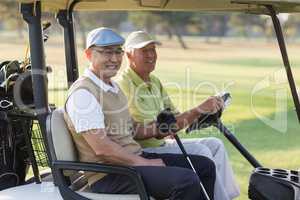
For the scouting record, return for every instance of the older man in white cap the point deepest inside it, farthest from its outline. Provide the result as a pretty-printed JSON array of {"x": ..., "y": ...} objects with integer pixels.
[
  {"x": 98, "y": 119},
  {"x": 147, "y": 98}
]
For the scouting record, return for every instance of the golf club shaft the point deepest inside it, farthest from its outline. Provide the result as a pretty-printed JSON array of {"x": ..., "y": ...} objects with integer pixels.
[{"x": 190, "y": 163}]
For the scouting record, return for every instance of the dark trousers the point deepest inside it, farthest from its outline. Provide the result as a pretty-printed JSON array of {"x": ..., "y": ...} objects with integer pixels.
[{"x": 176, "y": 181}]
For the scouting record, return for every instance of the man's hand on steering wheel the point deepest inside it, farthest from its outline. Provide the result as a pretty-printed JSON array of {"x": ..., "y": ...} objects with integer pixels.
[
  {"x": 211, "y": 105},
  {"x": 159, "y": 135},
  {"x": 211, "y": 110}
]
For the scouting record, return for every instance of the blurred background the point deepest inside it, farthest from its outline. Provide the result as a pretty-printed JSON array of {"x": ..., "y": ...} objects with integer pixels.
[
  {"x": 201, "y": 54},
  {"x": 211, "y": 27}
]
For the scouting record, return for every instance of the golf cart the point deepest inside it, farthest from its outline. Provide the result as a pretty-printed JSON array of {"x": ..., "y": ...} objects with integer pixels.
[{"x": 66, "y": 181}]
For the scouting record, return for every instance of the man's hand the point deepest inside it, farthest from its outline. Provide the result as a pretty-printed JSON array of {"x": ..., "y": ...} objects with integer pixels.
[
  {"x": 165, "y": 135},
  {"x": 149, "y": 162},
  {"x": 211, "y": 105},
  {"x": 159, "y": 135},
  {"x": 156, "y": 162}
]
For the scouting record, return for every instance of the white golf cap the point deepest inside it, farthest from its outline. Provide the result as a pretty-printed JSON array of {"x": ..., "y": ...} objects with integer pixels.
[
  {"x": 103, "y": 37},
  {"x": 137, "y": 40}
]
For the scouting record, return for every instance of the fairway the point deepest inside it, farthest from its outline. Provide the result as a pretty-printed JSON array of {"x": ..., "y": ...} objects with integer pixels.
[{"x": 261, "y": 114}]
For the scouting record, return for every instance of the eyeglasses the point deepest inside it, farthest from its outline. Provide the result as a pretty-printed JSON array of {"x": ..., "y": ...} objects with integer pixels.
[{"x": 108, "y": 53}]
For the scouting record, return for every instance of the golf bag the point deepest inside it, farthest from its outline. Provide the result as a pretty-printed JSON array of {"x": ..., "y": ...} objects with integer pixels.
[
  {"x": 13, "y": 150},
  {"x": 13, "y": 153},
  {"x": 8, "y": 177},
  {"x": 16, "y": 83},
  {"x": 274, "y": 184}
]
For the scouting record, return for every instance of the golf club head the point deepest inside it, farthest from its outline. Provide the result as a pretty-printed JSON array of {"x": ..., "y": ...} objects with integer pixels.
[
  {"x": 226, "y": 98},
  {"x": 45, "y": 37},
  {"x": 46, "y": 25}
]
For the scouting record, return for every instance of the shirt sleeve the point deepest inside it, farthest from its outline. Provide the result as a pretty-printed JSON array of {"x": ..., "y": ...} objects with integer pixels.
[
  {"x": 124, "y": 85},
  {"x": 167, "y": 101},
  {"x": 84, "y": 111}
]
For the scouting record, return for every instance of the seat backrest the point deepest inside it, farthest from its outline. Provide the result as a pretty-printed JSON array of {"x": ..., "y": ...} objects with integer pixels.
[
  {"x": 60, "y": 140},
  {"x": 62, "y": 148}
]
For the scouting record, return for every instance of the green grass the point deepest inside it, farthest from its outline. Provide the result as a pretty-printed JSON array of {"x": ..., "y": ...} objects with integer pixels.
[
  {"x": 192, "y": 75},
  {"x": 252, "y": 62},
  {"x": 271, "y": 146}
]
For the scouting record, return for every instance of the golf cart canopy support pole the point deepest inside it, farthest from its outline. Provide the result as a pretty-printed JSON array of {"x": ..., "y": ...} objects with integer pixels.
[
  {"x": 285, "y": 58},
  {"x": 65, "y": 19},
  {"x": 32, "y": 15}
]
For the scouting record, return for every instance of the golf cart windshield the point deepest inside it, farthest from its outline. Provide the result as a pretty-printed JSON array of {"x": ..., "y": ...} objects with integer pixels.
[{"x": 65, "y": 8}]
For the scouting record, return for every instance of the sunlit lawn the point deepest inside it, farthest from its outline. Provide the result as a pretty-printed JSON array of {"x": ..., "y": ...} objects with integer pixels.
[{"x": 251, "y": 71}]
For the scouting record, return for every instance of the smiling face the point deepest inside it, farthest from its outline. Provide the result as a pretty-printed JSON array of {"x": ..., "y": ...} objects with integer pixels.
[
  {"x": 105, "y": 61},
  {"x": 143, "y": 60}
]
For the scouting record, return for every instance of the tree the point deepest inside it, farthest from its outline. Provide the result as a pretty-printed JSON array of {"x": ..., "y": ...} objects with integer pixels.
[
  {"x": 145, "y": 20},
  {"x": 292, "y": 26},
  {"x": 249, "y": 25},
  {"x": 89, "y": 20},
  {"x": 11, "y": 17},
  {"x": 215, "y": 25},
  {"x": 173, "y": 23},
  {"x": 176, "y": 23}
]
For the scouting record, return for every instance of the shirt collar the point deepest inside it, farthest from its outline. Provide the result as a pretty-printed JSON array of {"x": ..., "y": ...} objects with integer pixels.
[
  {"x": 104, "y": 86},
  {"x": 136, "y": 79}
]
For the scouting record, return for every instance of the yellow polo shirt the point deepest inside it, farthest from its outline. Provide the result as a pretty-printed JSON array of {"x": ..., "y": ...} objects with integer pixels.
[{"x": 145, "y": 100}]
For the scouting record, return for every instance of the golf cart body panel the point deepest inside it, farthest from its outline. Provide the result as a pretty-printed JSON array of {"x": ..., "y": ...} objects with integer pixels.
[
  {"x": 48, "y": 191},
  {"x": 34, "y": 191},
  {"x": 31, "y": 11}
]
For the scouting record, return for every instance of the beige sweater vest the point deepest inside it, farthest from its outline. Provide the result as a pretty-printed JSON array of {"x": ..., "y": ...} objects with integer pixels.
[{"x": 118, "y": 124}]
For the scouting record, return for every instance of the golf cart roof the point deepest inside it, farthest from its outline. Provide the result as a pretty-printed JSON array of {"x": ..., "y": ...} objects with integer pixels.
[{"x": 248, "y": 6}]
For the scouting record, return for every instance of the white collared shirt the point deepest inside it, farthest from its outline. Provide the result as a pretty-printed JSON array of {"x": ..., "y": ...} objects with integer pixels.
[
  {"x": 106, "y": 87},
  {"x": 83, "y": 108}
]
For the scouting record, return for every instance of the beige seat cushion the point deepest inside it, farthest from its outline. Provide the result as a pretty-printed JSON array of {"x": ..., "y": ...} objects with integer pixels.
[
  {"x": 65, "y": 150},
  {"x": 62, "y": 141}
]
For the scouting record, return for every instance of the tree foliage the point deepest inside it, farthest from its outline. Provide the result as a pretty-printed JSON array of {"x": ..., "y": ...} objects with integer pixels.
[
  {"x": 172, "y": 24},
  {"x": 11, "y": 17},
  {"x": 86, "y": 21}
]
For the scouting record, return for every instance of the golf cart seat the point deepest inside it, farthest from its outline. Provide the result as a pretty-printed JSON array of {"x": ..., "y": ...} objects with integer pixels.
[{"x": 64, "y": 159}]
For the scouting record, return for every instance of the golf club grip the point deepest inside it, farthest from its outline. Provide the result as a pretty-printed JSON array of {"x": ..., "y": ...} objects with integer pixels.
[
  {"x": 226, "y": 96},
  {"x": 237, "y": 144},
  {"x": 46, "y": 25}
]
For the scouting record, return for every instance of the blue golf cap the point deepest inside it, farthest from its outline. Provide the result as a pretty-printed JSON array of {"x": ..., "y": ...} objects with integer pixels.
[{"x": 103, "y": 37}]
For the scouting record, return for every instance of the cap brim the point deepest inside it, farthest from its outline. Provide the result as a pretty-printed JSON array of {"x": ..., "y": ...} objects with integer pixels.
[
  {"x": 107, "y": 44},
  {"x": 143, "y": 44}
]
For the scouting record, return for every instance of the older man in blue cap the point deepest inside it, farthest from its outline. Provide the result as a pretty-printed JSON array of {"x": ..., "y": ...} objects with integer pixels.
[{"x": 98, "y": 119}]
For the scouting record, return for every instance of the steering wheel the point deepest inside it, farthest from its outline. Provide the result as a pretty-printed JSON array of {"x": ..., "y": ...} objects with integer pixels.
[{"x": 207, "y": 120}]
